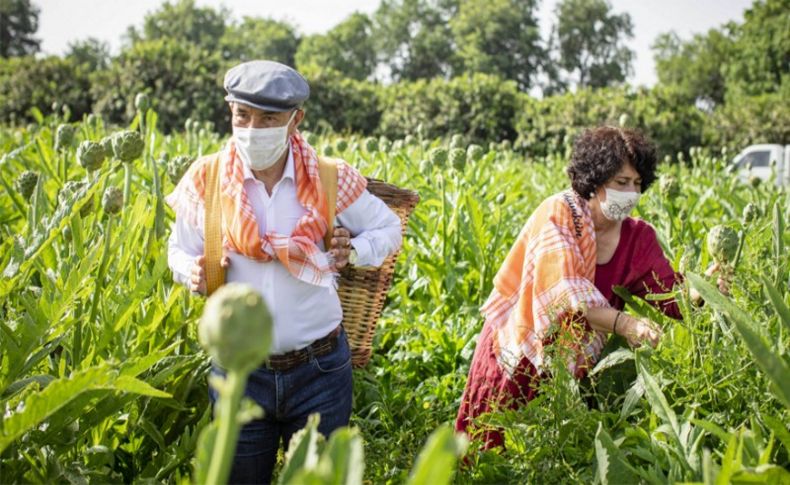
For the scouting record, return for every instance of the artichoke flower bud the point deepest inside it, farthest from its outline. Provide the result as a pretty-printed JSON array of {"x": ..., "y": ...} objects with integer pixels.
[
  {"x": 750, "y": 213},
  {"x": 127, "y": 145},
  {"x": 474, "y": 152},
  {"x": 371, "y": 144},
  {"x": 669, "y": 187},
  {"x": 409, "y": 140},
  {"x": 106, "y": 144},
  {"x": 26, "y": 184},
  {"x": 384, "y": 144},
  {"x": 425, "y": 167},
  {"x": 500, "y": 198},
  {"x": 177, "y": 167},
  {"x": 91, "y": 155},
  {"x": 236, "y": 328},
  {"x": 141, "y": 102},
  {"x": 722, "y": 244},
  {"x": 188, "y": 124},
  {"x": 312, "y": 139},
  {"x": 397, "y": 145},
  {"x": 64, "y": 137},
  {"x": 457, "y": 141},
  {"x": 458, "y": 158},
  {"x": 329, "y": 150},
  {"x": 341, "y": 145},
  {"x": 112, "y": 200},
  {"x": 438, "y": 156},
  {"x": 754, "y": 181}
]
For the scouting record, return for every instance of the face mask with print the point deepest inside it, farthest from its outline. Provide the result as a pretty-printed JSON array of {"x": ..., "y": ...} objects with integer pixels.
[
  {"x": 618, "y": 204},
  {"x": 260, "y": 148}
]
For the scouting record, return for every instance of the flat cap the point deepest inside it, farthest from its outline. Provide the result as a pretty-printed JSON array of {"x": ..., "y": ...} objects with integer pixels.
[{"x": 266, "y": 85}]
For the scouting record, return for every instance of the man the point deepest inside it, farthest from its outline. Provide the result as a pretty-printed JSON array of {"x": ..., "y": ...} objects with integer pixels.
[{"x": 273, "y": 229}]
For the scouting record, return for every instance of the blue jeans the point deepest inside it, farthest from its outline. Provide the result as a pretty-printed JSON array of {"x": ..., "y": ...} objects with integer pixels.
[{"x": 322, "y": 385}]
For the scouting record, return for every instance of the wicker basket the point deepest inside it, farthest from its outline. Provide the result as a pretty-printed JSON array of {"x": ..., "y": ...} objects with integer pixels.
[{"x": 363, "y": 291}]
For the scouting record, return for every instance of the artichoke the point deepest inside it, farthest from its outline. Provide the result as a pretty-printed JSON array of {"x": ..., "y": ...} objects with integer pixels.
[
  {"x": 188, "y": 124},
  {"x": 474, "y": 153},
  {"x": 91, "y": 155},
  {"x": 112, "y": 200},
  {"x": 409, "y": 140},
  {"x": 64, "y": 137},
  {"x": 329, "y": 151},
  {"x": 722, "y": 243},
  {"x": 106, "y": 144},
  {"x": 458, "y": 158},
  {"x": 177, "y": 167},
  {"x": 127, "y": 145},
  {"x": 750, "y": 213},
  {"x": 669, "y": 187},
  {"x": 371, "y": 144},
  {"x": 457, "y": 141},
  {"x": 438, "y": 156},
  {"x": 26, "y": 183},
  {"x": 341, "y": 145},
  {"x": 425, "y": 167},
  {"x": 755, "y": 181},
  {"x": 312, "y": 139},
  {"x": 384, "y": 144},
  {"x": 236, "y": 328},
  {"x": 141, "y": 102}
]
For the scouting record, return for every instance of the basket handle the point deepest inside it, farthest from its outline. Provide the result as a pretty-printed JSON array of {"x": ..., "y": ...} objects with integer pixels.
[
  {"x": 212, "y": 229},
  {"x": 327, "y": 172}
]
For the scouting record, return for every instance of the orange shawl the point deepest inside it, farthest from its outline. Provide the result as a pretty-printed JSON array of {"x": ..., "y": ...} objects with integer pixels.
[
  {"x": 299, "y": 251},
  {"x": 547, "y": 278}
]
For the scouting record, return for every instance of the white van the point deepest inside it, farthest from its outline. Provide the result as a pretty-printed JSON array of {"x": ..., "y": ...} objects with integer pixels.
[{"x": 756, "y": 160}]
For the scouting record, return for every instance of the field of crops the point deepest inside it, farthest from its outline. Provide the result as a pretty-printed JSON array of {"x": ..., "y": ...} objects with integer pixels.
[{"x": 102, "y": 379}]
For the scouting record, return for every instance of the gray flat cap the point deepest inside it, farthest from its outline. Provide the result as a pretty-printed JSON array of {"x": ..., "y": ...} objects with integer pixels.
[{"x": 266, "y": 85}]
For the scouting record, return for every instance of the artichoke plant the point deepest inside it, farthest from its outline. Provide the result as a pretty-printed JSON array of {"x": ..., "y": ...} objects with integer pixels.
[
  {"x": 371, "y": 144},
  {"x": 438, "y": 156},
  {"x": 64, "y": 137},
  {"x": 127, "y": 145},
  {"x": 474, "y": 153},
  {"x": 26, "y": 183},
  {"x": 91, "y": 155},
  {"x": 750, "y": 213},
  {"x": 458, "y": 158},
  {"x": 142, "y": 102},
  {"x": 722, "y": 244},
  {"x": 112, "y": 200}
]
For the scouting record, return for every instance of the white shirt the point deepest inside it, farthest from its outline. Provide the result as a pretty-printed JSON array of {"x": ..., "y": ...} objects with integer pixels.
[{"x": 301, "y": 312}]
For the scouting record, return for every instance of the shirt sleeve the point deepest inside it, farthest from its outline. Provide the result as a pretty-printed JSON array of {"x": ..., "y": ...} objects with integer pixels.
[
  {"x": 375, "y": 229},
  {"x": 184, "y": 245},
  {"x": 657, "y": 276}
]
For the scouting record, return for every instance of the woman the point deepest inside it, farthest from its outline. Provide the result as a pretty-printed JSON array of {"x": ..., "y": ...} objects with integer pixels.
[{"x": 559, "y": 274}]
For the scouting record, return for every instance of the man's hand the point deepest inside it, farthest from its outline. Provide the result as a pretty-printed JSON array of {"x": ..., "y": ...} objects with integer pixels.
[
  {"x": 340, "y": 247},
  {"x": 639, "y": 330},
  {"x": 197, "y": 281}
]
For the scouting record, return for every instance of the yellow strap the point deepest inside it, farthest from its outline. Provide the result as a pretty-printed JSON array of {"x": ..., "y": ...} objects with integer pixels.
[
  {"x": 327, "y": 172},
  {"x": 212, "y": 229}
]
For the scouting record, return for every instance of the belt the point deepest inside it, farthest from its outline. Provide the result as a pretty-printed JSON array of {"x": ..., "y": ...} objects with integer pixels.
[{"x": 289, "y": 360}]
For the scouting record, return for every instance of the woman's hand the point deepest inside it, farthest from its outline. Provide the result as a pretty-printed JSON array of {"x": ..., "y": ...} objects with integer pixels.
[
  {"x": 639, "y": 330},
  {"x": 197, "y": 280},
  {"x": 340, "y": 247}
]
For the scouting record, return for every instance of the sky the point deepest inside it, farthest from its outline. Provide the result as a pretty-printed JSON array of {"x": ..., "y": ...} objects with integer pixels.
[{"x": 64, "y": 21}]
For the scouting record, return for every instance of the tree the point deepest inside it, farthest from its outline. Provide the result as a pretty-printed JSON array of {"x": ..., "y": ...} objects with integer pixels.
[
  {"x": 500, "y": 37},
  {"x": 182, "y": 21},
  {"x": 414, "y": 39},
  {"x": 589, "y": 40},
  {"x": 18, "y": 23},
  {"x": 347, "y": 48},
  {"x": 260, "y": 38},
  {"x": 91, "y": 53}
]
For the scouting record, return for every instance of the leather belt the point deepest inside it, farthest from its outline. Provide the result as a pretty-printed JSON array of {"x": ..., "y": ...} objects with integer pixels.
[{"x": 289, "y": 360}]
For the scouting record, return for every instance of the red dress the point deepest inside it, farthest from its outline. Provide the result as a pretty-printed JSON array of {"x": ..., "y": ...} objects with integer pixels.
[{"x": 638, "y": 264}]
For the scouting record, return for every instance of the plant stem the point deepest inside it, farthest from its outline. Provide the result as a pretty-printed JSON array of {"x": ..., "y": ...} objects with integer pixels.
[
  {"x": 127, "y": 182},
  {"x": 100, "y": 276},
  {"x": 228, "y": 432}
]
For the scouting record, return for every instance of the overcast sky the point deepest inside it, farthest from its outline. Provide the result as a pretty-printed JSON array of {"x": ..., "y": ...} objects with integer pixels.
[{"x": 63, "y": 21}]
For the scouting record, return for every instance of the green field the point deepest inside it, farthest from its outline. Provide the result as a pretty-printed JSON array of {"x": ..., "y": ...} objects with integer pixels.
[{"x": 102, "y": 379}]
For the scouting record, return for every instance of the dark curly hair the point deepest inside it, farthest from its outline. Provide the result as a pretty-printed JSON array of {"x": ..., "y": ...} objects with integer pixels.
[{"x": 599, "y": 153}]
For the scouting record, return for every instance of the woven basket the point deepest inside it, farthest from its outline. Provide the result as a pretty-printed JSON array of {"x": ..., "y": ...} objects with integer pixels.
[{"x": 363, "y": 291}]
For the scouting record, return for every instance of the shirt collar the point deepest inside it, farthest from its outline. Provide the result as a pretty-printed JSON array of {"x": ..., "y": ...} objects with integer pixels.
[{"x": 288, "y": 172}]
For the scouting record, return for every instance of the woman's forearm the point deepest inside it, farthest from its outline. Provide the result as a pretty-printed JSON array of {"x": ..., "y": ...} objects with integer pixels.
[{"x": 603, "y": 319}]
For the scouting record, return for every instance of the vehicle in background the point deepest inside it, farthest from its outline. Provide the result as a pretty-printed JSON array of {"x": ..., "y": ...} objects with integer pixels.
[{"x": 756, "y": 160}]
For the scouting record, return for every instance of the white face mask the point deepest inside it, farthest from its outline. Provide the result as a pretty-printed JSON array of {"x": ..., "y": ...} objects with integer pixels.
[
  {"x": 260, "y": 148},
  {"x": 618, "y": 204}
]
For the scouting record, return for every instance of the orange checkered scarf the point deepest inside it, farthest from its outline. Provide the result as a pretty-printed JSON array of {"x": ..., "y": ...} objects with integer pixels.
[
  {"x": 547, "y": 278},
  {"x": 298, "y": 252}
]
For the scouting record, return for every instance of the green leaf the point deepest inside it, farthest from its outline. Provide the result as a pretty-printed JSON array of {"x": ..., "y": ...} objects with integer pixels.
[
  {"x": 343, "y": 460},
  {"x": 612, "y": 465},
  {"x": 302, "y": 451},
  {"x": 136, "y": 386},
  {"x": 772, "y": 364},
  {"x": 776, "y": 300},
  {"x": 617, "y": 357},
  {"x": 657, "y": 400},
  {"x": 436, "y": 463},
  {"x": 779, "y": 429}
]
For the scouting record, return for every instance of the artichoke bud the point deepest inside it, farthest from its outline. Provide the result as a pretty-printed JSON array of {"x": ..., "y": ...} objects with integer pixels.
[
  {"x": 112, "y": 200},
  {"x": 329, "y": 150},
  {"x": 457, "y": 141},
  {"x": 669, "y": 187},
  {"x": 64, "y": 136},
  {"x": 409, "y": 140},
  {"x": 91, "y": 155},
  {"x": 141, "y": 102},
  {"x": 750, "y": 213},
  {"x": 188, "y": 124},
  {"x": 474, "y": 152},
  {"x": 177, "y": 167},
  {"x": 425, "y": 167},
  {"x": 371, "y": 144},
  {"x": 458, "y": 158},
  {"x": 341, "y": 145},
  {"x": 384, "y": 144},
  {"x": 500, "y": 198},
  {"x": 312, "y": 139},
  {"x": 236, "y": 328},
  {"x": 26, "y": 184},
  {"x": 754, "y": 181},
  {"x": 722, "y": 244},
  {"x": 438, "y": 156},
  {"x": 127, "y": 145}
]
